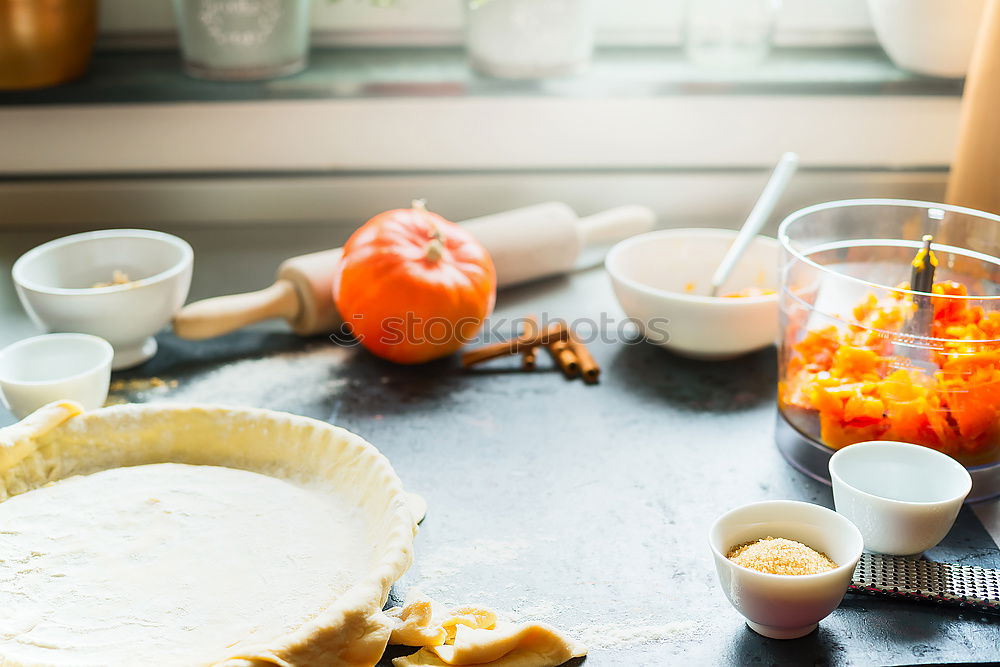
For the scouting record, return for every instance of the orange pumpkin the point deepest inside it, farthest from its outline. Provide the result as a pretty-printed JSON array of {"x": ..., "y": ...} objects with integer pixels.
[{"x": 414, "y": 287}]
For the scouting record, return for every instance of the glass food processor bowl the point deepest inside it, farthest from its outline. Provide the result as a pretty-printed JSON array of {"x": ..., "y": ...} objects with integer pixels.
[{"x": 864, "y": 357}]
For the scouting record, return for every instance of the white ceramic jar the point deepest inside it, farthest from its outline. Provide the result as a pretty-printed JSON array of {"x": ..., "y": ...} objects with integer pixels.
[
  {"x": 243, "y": 39},
  {"x": 529, "y": 39},
  {"x": 933, "y": 37}
]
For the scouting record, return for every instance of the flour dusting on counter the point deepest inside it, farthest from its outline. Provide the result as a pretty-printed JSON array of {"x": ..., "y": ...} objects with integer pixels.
[
  {"x": 447, "y": 562},
  {"x": 284, "y": 381},
  {"x": 623, "y": 634},
  {"x": 442, "y": 573}
]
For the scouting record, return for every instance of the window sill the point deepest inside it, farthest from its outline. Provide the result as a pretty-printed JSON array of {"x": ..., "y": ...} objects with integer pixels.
[
  {"x": 143, "y": 77},
  {"x": 419, "y": 109}
]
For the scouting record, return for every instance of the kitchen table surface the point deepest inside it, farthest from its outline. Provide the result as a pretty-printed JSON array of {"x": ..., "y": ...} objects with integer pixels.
[{"x": 586, "y": 507}]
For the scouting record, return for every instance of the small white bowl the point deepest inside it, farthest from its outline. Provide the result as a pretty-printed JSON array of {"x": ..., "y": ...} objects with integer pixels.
[
  {"x": 37, "y": 371},
  {"x": 904, "y": 498},
  {"x": 54, "y": 282},
  {"x": 658, "y": 279},
  {"x": 785, "y": 606}
]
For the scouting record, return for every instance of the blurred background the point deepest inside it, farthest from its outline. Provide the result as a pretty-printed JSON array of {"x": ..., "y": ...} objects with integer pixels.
[{"x": 286, "y": 112}]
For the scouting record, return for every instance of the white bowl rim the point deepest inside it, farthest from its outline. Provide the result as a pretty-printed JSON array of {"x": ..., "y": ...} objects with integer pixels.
[
  {"x": 896, "y": 444},
  {"x": 848, "y": 203},
  {"x": 706, "y": 232},
  {"x": 108, "y": 353},
  {"x": 826, "y": 511},
  {"x": 187, "y": 257}
]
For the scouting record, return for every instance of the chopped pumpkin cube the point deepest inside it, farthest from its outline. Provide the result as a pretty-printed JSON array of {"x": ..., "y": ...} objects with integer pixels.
[{"x": 850, "y": 379}]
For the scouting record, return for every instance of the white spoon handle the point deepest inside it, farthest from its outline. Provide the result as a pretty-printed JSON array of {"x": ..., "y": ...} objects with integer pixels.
[{"x": 758, "y": 216}]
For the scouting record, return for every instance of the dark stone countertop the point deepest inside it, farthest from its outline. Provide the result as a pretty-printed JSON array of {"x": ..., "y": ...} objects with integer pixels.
[{"x": 588, "y": 506}]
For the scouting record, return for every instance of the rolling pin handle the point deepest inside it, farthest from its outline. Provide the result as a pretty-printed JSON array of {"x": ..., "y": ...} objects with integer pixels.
[
  {"x": 615, "y": 224},
  {"x": 223, "y": 314},
  {"x": 598, "y": 232}
]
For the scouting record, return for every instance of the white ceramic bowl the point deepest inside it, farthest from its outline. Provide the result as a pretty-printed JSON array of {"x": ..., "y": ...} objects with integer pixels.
[
  {"x": 785, "y": 606},
  {"x": 39, "y": 370},
  {"x": 933, "y": 37},
  {"x": 54, "y": 284},
  {"x": 658, "y": 278},
  {"x": 904, "y": 498}
]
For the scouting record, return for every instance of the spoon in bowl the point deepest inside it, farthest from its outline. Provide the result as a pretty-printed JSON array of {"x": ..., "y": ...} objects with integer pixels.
[{"x": 762, "y": 210}]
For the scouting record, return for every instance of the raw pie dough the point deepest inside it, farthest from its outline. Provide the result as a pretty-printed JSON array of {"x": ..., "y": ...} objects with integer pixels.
[
  {"x": 94, "y": 565},
  {"x": 195, "y": 536},
  {"x": 473, "y": 636}
]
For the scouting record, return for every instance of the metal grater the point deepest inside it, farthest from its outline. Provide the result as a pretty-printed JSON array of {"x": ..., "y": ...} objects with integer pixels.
[{"x": 922, "y": 580}]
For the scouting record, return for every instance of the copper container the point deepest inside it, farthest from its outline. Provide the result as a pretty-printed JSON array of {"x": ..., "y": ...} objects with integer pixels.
[{"x": 45, "y": 42}]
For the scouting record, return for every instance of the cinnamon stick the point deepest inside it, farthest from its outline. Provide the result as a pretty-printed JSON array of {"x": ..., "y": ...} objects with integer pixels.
[
  {"x": 556, "y": 332},
  {"x": 564, "y": 357},
  {"x": 501, "y": 349},
  {"x": 588, "y": 366},
  {"x": 529, "y": 357}
]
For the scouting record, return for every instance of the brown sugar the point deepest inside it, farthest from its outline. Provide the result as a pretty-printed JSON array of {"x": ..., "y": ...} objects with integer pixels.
[
  {"x": 117, "y": 278},
  {"x": 776, "y": 555}
]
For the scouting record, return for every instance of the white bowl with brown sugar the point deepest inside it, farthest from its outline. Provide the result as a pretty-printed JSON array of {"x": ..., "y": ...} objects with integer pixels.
[{"x": 784, "y": 565}]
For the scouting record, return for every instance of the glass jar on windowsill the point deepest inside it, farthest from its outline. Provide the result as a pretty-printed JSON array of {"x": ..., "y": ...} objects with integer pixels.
[{"x": 529, "y": 39}]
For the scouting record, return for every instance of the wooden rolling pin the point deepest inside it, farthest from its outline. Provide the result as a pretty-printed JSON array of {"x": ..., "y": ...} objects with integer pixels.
[
  {"x": 526, "y": 244},
  {"x": 975, "y": 171}
]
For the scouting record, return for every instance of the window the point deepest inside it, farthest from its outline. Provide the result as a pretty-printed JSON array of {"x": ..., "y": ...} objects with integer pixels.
[{"x": 689, "y": 140}]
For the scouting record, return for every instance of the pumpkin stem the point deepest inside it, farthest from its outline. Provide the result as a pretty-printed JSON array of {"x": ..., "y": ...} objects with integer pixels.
[{"x": 435, "y": 247}]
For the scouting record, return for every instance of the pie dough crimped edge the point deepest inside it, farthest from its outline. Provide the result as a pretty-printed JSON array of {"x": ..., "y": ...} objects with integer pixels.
[{"x": 352, "y": 631}]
